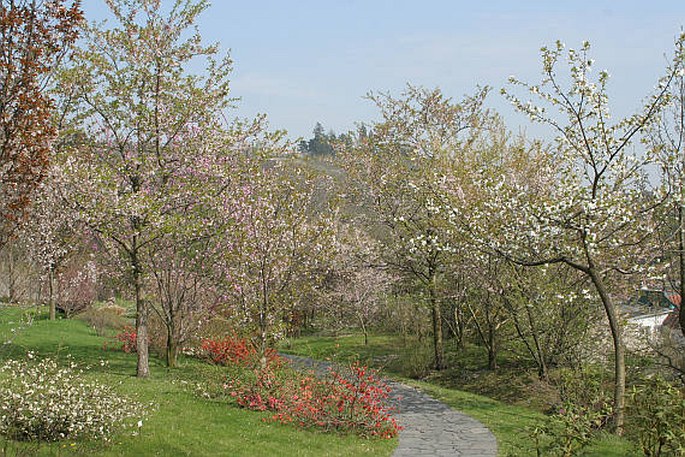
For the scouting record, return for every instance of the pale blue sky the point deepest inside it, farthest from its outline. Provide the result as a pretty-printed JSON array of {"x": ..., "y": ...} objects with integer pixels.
[{"x": 303, "y": 61}]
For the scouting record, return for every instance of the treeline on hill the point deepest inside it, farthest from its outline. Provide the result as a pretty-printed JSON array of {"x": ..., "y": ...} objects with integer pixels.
[
  {"x": 325, "y": 144},
  {"x": 435, "y": 223}
]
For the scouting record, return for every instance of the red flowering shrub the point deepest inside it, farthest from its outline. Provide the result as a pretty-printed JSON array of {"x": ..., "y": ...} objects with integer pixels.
[
  {"x": 354, "y": 401},
  {"x": 233, "y": 350},
  {"x": 127, "y": 338}
]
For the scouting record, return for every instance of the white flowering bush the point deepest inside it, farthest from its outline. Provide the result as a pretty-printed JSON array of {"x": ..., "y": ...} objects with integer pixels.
[{"x": 43, "y": 401}]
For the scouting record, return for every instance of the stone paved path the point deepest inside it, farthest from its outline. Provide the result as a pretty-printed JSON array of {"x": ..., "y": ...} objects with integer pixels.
[{"x": 430, "y": 427}]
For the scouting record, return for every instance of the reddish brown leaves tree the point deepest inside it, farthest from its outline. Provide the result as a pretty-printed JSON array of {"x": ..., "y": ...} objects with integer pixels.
[{"x": 34, "y": 36}]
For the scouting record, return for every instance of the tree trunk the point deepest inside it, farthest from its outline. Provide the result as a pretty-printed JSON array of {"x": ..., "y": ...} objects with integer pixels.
[
  {"x": 542, "y": 364},
  {"x": 619, "y": 351},
  {"x": 263, "y": 331},
  {"x": 51, "y": 293},
  {"x": 460, "y": 322},
  {"x": 171, "y": 340},
  {"x": 263, "y": 318},
  {"x": 171, "y": 347},
  {"x": 143, "y": 365},
  {"x": 492, "y": 354},
  {"x": 455, "y": 324},
  {"x": 492, "y": 341},
  {"x": 364, "y": 330},
  {"x": 11, "y": 283},
  {"x": 681, "y": 258},
  {"x": 262, "y": 349},
  {"x": 437, "y": 328}
]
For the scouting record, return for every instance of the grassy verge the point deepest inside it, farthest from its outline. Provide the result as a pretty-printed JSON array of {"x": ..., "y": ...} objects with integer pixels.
[
  {"x": 381, "y": 352},
  {"x": 510, "y": 423},
  {"x": 179, "y": 422}
]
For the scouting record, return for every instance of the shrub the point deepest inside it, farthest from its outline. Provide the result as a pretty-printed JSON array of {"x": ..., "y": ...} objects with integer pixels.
[
  {"x": 127, "y": 338},
  {"x": 104, "y": 318},
  {"x": 354, "y": 401},
  {"x": 655, "y": 418},
  {"x": 587, "y": 389},
  {"x": 416, "y": 361},
  {"x": 584, "y": 409},
  {"x": 77, "y": 286},
  {"x": 233, "y": 350},
  {"x": 567, "y": 431},
  {"x": 41, "y": 401},
  {"x": 157, "y": 334}
]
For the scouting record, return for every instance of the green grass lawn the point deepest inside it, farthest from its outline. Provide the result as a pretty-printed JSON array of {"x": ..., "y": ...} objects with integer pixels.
[
  {"x": 179, "y": 422},
  {"x": 510, "y": 424}
]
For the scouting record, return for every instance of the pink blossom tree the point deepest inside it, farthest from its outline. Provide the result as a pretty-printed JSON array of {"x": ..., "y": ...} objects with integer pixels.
[
  {"x": 52, "y": 232},
  {"x": 357, "y": 282},
  {"x": 149, "y": 123},
  {"x": 276, "y": 239}
]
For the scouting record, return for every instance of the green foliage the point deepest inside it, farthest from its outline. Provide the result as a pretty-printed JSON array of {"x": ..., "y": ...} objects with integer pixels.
[
  {"x": 585, "y": 409},
  {"x": 415, "y": 362},
  {"x": 655, "y": 418},
  {"x": 586, "y": 389},
  {"x": 322, "y": 143},
  {"x": 319, "y": 144},
  {"x": 566, "y": 432}
]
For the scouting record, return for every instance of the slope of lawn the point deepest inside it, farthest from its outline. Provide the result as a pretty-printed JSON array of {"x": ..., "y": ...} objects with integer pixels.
[
  {"x": 179, "y": 422},
  {"x": 510, "y": 424}
]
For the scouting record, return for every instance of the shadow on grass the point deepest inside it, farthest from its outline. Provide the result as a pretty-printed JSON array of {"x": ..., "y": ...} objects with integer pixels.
[{"x": 63, "y": 337}]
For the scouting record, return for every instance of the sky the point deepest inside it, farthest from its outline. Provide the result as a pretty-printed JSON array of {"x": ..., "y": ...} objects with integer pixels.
[{"x": 303, "y": 61}]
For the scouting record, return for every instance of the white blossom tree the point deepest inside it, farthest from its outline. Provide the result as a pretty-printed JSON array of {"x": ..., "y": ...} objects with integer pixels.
[
  {"x": 52, "y": 233},
  {"x": 583, "y": 203},
  {"x": 393, "y": 169},
  {"x": 667, "y": 139}
]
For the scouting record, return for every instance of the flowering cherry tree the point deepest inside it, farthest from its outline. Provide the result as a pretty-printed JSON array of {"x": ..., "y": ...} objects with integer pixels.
[
  {"x": 594, "y": 215},
  {"x": 149, "y": 124},
  {"x": 667, "y": 139},
  {"x": 276, "y": 241},
  {"x": 394, "y": 167},
  {"x": 51, "y": 234},
  {"x": 356, "y": 283},
  {"x": 182, "y": 294}
]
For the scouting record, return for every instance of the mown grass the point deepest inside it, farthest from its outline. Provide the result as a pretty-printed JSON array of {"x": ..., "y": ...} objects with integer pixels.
[
  {"x": 178, "y": 422},
  {"x": 510, "y": 423},
  {"x": 381, "y": 350}
]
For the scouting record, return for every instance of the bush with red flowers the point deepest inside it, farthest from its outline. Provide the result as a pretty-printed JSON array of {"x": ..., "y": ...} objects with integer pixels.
[
  {"x": 352, "y": 401},
  {"x": 127, "y": 338},
  {"x": 233, "y": 350}
]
